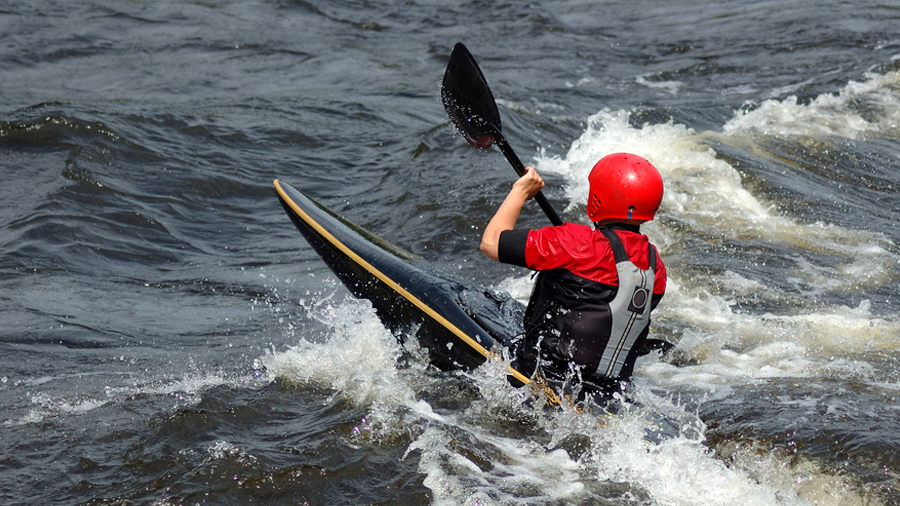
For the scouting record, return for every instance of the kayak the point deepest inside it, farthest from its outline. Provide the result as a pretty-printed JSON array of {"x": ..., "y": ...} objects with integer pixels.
[{"x": 460, "y": 325}]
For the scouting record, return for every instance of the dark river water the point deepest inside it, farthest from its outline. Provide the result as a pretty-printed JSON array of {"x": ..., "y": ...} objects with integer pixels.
[{"x": 167, "y": 337}]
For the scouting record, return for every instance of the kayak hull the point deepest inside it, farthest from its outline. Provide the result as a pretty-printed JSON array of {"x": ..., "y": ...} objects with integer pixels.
[{"x": 461, "y": 326}]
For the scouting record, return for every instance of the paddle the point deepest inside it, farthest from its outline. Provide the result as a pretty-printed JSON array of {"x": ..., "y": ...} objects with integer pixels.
[{"x": 471, "y": 106}]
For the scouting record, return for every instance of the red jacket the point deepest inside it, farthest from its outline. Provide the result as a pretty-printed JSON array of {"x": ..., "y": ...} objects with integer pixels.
[{"x": 580, "y": 249}]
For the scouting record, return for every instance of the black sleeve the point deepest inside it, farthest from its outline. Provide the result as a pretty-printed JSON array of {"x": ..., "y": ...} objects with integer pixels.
[
  {"x": 511, "y": 248},
  {"x": 654, "y": 300}
]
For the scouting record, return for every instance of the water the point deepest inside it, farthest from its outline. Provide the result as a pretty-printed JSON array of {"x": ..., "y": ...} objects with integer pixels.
[{"x": 168, "y": 337}]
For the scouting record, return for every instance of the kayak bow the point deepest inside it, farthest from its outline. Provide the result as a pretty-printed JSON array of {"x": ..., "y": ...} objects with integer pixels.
[{"x": 459, "y": 325}]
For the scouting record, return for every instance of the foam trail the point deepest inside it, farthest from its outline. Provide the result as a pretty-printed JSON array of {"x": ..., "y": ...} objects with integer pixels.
[
  {"x": 502, "y": 449},
  {"x": 468, "y": 460},
  {"x": 705, "y": 196},
  {"x": 828, "y": 115}
]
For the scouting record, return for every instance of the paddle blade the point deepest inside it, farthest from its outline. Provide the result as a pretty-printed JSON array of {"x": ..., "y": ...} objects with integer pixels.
[{"x": 468, "y": 100}]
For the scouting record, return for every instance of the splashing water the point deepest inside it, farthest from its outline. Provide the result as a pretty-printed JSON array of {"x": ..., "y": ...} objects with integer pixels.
[{"x": 502, "y": 447}]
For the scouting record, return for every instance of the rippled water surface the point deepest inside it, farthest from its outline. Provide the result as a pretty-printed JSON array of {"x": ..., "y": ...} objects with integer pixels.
[{"x": 167, "y": 337}]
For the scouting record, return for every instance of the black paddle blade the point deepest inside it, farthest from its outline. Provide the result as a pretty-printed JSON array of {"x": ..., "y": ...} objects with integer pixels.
[{"x": 468, "y": 100}]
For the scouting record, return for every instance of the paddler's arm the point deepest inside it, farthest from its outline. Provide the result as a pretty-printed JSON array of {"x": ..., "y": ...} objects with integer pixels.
[{"x": 507, "y": 215}]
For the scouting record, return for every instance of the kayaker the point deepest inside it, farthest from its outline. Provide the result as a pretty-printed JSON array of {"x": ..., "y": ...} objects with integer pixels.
[{"x": 589, "y": 313}]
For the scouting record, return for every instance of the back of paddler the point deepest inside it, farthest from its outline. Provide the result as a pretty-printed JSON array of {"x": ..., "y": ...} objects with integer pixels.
[{"x": 589, "y": 313}]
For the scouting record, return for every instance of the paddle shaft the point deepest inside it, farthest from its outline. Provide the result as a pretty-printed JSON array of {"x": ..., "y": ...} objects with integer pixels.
[{"x": 510, "y": 155}]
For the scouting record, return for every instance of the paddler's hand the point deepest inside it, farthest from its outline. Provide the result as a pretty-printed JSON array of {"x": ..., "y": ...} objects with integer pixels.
[{"x": 529, "y": 184}]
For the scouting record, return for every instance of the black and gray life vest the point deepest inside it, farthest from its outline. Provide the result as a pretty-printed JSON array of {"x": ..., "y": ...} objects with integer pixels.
[{"x": 573, "y": 320}]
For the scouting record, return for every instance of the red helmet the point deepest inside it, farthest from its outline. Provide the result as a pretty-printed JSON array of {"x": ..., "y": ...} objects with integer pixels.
[{"x": 624, "y": 186}]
